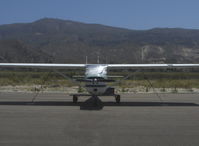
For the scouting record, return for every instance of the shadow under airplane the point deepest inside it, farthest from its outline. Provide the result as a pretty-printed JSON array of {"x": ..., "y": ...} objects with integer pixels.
[{"x": 89, "y": 104}]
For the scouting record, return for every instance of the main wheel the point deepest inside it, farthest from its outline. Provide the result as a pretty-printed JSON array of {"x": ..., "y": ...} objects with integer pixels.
[
  {"x": 117, "y": 98},
  {"x": 75, "y": 99}
]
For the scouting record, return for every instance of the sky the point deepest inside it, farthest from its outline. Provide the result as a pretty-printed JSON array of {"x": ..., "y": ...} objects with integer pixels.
[{"x": 131, "y": 14}]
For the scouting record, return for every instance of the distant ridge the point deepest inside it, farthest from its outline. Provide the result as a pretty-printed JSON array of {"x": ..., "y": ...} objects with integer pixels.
[{"x": 64, "y": 41}]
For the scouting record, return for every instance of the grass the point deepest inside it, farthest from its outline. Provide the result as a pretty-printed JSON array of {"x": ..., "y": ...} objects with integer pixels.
[
  {"x": 163, "y": 83},
  {"x": 161, "y": 80},
  {"x": 31, "y": 78}
]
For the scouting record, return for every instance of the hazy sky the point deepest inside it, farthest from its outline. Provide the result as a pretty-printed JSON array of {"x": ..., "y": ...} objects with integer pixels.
[{"x": 133, "y": 14}]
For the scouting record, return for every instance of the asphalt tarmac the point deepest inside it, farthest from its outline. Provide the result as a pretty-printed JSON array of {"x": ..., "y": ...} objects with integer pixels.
[{"x": 140, "y": 120}]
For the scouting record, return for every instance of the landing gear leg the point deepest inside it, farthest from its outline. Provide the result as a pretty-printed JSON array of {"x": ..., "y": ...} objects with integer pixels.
[
  {"x": 117, "y": 98},
  {"x": 75, "y": 99}
]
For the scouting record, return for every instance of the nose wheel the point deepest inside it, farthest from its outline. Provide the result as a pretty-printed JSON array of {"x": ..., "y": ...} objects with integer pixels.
[
  {"x": 117, "y": 98},
  {"x": 75, "y": 99}
]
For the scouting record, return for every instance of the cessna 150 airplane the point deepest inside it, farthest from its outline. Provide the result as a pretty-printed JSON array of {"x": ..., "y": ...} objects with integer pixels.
[{"x": 96, "y": 77}]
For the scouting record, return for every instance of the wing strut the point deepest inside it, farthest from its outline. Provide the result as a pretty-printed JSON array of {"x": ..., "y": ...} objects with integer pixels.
[{"x": 156, "y": 93}]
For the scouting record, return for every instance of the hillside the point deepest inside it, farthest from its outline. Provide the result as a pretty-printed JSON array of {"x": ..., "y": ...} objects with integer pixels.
[{"x": 62, "y": 41}]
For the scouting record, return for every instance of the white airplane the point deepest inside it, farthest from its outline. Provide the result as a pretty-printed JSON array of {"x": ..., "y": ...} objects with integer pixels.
[{"x": 96, "y": 77}]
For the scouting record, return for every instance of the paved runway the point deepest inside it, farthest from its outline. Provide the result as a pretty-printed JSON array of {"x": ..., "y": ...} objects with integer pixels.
[{"x": 141, "y": 119}]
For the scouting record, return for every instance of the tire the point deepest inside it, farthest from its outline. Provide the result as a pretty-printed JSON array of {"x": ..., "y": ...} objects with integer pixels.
[
  {"x": 117, "y": 98},
  {"x": 75, "y": 99}
]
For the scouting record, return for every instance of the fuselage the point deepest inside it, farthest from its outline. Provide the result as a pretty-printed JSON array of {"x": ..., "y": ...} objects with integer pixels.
[{"x": 95, "y": 74}]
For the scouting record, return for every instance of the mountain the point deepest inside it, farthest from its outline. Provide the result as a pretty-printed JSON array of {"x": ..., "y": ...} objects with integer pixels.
[{"x": 63, "y": 41}]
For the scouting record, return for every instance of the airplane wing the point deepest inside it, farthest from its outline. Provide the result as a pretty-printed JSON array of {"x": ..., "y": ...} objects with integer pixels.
[
  {"x": 112, "y": 66},
  {"x": 151, "y": 66},
  {"x": 42, "y": 65}
]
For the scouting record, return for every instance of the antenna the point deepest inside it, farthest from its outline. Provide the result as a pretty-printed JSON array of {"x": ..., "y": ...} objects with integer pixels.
[
  {"x": 142, "y": 54},
  {"x": 98, "y": 60},
  {"x": 86, "y": 59},
  {"x": 106, "y": 60}
]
